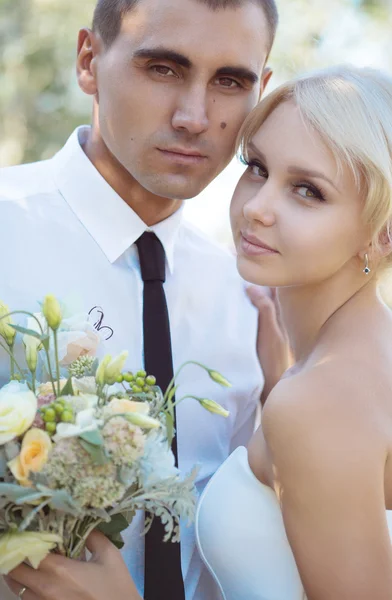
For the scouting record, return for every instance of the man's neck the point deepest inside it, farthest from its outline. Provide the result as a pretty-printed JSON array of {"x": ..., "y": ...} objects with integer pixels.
[{"x": 150, "y": 208}]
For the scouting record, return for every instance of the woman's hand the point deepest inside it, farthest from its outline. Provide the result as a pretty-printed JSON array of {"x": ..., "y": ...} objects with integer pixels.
[
  {"x": 272, "y": 343},
  {"x": 104, "y": 577}
]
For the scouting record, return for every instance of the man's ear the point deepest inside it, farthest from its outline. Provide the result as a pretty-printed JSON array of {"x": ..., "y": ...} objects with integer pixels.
[
  {"x": 267, "y": 74},
  {"x": 88, "y": 45}
]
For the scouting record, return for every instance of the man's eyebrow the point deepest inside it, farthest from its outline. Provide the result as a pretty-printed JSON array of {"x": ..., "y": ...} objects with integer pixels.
[
  {"x": 238, "y": 72},
  {"x": 161, "y": 53}
]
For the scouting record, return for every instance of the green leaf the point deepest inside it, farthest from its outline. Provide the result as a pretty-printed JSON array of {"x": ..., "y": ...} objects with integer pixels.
[
  {"x": 169, "y": 427},
  {"x": 116, "y": 524},
  {"x": 3, "y": 463},
  {"x": 68, "y": 388},
  {"x": 31, "y": 332},
  {"x": 116, "y": 540},
  {"x": 13, "y": 491},
  {"x": 171, "y": 395},
  {"x": 97, "y": 453},
  {"x": 92, "y": 437},
  {"x": 46, "y": 343},
  {"x": 94, "y": 367}
]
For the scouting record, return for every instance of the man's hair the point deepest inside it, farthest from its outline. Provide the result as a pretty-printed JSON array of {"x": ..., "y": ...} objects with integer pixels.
[{"x": 108, "y": 15}]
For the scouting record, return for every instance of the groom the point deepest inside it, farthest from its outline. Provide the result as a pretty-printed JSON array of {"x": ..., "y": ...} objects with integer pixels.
[{"x": 171, "y": 82}]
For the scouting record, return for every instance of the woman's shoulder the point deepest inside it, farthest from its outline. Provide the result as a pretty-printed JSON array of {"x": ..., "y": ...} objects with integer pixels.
[{"x": 330, "y": 403}]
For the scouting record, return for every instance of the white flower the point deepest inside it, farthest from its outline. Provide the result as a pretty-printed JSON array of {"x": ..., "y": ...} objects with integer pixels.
[
  {"x": 18, "y": 408},
  {"x": 84, "y": 385},
  {"x": 157, "y": 462},
  {"x": 16, "y": 547},
  {"x": 82, "y": 402},
  {"x": 85, "y": 422}
]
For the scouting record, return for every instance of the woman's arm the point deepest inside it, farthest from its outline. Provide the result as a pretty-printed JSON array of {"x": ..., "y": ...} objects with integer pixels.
[
  {"x": 329, "y": 454},
  {"x": 104, "y": 577}
]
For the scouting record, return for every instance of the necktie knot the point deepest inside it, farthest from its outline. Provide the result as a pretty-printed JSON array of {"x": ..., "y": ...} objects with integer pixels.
[{"x": 151, "y": 257}]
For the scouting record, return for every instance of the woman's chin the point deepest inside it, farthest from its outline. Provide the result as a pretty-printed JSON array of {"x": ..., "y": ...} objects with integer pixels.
[{"x": 254, "y": 273}]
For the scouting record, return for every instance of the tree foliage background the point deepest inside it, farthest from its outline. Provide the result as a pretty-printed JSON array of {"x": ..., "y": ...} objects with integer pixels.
[{"x": 40, "y": 103}]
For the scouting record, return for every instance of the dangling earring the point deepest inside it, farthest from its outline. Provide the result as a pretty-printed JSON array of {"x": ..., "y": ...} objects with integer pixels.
[{"x": 366, "y": 269}]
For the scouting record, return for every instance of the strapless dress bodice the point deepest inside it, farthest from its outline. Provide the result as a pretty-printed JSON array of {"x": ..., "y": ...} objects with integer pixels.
[{"x": 242, "y": 538}]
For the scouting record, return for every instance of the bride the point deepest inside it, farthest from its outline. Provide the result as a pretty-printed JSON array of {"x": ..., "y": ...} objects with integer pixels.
[{"x": 305, "y": 509}]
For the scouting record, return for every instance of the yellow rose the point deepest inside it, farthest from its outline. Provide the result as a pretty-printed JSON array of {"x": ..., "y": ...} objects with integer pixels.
[
  {"x": 45, "y": 389},
  {"x": 34, "y": 454},
  {"x": 17, "y": 547},
  {"x": 18, "y": 408},
  {"x": 122, "y": 405}
]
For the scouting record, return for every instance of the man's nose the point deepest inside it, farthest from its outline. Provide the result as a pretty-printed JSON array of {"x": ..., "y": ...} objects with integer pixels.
[{"x": 191, "y": 111}]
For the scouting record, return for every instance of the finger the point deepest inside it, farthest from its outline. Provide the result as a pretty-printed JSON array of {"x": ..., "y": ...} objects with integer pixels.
[
  {"x": 16, "y": 588},
  {"x": 98, "y": 544},
  {"x": 257, "y": 293},
  {"x": 25, "y": 576}
]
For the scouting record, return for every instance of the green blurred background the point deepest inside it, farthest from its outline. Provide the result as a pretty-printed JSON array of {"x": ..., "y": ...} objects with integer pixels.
[{"x": 40, "y": 103}]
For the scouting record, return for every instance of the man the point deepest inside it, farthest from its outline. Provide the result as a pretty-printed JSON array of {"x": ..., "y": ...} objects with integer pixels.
[{"x": 171, "y": 82}]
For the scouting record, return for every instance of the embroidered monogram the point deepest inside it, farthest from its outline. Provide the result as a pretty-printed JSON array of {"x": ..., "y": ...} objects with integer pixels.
[{"x": 97, "y": 313}]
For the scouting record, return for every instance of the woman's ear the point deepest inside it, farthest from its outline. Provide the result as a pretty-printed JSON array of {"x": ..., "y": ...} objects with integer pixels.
[
  {"x": 88, "y": 44},
  {"x": 385, "y": 241}
]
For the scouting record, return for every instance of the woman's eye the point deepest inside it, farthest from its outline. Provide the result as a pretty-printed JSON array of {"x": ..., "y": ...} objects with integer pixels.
[{"x": 309, "y": 192}]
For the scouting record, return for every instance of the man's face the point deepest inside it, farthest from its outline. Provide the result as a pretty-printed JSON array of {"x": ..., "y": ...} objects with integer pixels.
[{"x": 174, "y": 89}]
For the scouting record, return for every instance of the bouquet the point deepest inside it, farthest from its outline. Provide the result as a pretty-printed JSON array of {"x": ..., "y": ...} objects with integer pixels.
[{"x": 83, "y": 444}]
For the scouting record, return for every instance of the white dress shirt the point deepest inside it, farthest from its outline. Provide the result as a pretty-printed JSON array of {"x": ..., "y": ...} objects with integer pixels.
[{"x": 65, "y": 231}]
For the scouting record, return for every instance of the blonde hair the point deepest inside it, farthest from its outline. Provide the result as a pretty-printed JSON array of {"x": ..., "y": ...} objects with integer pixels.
[{"x": 351, "y": 109}]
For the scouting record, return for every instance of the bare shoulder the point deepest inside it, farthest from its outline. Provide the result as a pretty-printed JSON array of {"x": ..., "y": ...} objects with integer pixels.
[{"x": 324, "y": 411}]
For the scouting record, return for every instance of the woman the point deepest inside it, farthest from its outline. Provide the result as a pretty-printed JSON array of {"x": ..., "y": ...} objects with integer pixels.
[{"x": 305, "y": 510}]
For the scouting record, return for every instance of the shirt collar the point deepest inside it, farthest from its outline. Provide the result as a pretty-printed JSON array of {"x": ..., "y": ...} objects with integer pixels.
[{"x": 108, "y": 219}]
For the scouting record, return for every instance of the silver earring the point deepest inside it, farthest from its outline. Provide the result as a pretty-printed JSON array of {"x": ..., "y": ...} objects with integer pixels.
[{"x": 366, "y": 269}]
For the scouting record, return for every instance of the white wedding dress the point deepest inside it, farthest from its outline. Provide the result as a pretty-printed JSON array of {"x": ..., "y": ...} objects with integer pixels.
[{"x": 242, "y": 538}]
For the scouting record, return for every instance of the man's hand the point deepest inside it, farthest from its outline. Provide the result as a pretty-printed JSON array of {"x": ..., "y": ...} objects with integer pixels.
[
  {"x": 272, "y": 342},
  {"x": 104, "y": 577}
]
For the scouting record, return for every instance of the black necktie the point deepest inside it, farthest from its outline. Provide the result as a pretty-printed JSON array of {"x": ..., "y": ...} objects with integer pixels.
[{"x": 162, "y": 570}]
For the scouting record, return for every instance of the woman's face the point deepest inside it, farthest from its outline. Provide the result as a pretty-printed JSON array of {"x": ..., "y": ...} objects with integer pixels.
[{"x": 296, "y": 218}]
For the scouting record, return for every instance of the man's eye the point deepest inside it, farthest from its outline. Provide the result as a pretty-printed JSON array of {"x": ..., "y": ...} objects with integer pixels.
[
  {"x": 228, "y": 83},
  {"x": 163, "y": 70},
  {"x": 258, "y": 170}
]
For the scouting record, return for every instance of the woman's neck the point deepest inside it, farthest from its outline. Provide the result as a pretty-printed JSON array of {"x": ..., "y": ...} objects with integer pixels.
[{"x": 308, "y": 310}]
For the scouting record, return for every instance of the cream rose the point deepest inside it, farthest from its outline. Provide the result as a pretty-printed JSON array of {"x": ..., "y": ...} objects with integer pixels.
[
  {"x": 15, "y": 548},
  {"x": 122, "y": 405},
  {"x": 18, "y": 408},
  {"x": 34, "y": 453}
]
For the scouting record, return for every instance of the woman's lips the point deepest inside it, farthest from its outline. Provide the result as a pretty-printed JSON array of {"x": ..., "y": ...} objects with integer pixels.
[{"x": 252, "y": 247}]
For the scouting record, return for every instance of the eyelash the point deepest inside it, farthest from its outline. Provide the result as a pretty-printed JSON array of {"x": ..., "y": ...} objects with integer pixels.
[
  {"x": 317, "y": 191},
  {"x": 155, "y": 67}
]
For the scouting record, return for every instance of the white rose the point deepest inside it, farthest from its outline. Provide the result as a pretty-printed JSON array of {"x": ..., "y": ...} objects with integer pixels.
[{"x": 18, "y": 409}]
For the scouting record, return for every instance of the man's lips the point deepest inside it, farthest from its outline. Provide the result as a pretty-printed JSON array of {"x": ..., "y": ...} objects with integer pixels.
[
  {"x": 182, "y": 155},
  {"x": 253, "y": 246}
]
